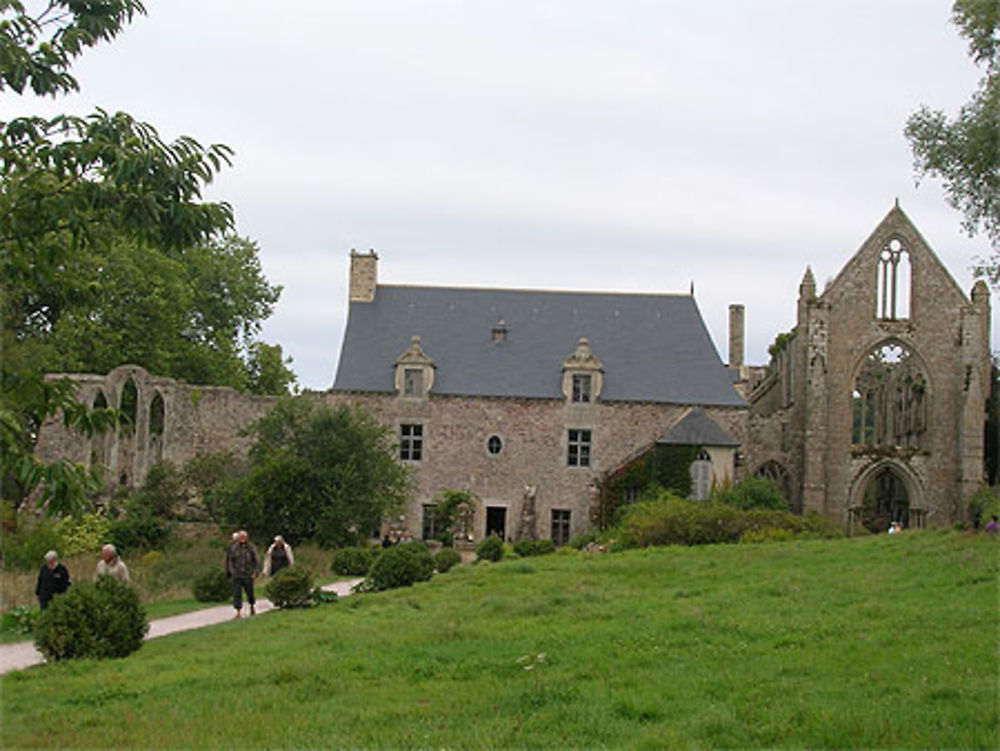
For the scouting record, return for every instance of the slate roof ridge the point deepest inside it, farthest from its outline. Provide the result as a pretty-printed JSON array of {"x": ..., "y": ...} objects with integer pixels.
[{"x": 533, "y": 290}]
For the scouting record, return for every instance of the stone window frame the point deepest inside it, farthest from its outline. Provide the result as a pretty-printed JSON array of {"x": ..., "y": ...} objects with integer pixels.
[
  {"x": 411, "y": 442},
  {"x": 414, "y": 372},
  {"x": 429, "y": 521},
  {"x": 701, "y": 476},
  {"x": 579, "y": 447},
  {"x": 582, "y": 386},
  {"x": 582, "y": 366},
  {"x": 560, "y": 521},
  {"x": 884, "y": 415},
  {"x": 494, "y": 439},
  {"x": 894, "y": 281}
]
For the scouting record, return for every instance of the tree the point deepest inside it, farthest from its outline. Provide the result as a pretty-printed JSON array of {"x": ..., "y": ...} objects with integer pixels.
[
  {"x": 69, "y": 184},
  {"x": 320, "y": 473},
  {"x": 965, "y": 153}
]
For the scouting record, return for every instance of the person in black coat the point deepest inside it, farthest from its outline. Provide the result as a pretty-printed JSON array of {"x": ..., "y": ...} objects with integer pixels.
[{"x": 53, "y": 579}]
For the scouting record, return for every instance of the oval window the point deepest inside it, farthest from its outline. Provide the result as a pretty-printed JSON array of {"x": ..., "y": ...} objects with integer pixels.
[{"x": 494, "y": 444}]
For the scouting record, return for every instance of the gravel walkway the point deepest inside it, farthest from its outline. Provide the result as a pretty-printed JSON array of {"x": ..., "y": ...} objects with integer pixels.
[{"x": 23, "y": 654}]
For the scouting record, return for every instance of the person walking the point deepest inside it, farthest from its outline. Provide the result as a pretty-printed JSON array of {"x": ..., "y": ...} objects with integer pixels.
[
  {"x": 53, "y": 579},
  {"x": 278, "y": 556},
  {"x": 111, "y": 565},
  {"x": 242, "y": 565}
]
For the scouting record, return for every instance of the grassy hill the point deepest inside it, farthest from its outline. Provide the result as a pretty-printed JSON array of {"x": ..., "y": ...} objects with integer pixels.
[{"x": 884, "y": 642}]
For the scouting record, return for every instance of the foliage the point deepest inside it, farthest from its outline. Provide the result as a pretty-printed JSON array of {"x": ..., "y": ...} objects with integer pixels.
[
  {"x": 445, "y": 559},
  {"x": 673, "y": 521},
  {"x": 579, "y": 542},
  {"x": 26, "y": 540},
  {"x": 490, "y": 548},
  {"x": 97, "y": 620},
  {"x": 317, "y": 473},
  {"x": 20, "y": 620},
  {"x": 751, "y": 493},
  {"x": 162, "y": 491},
  {"x": 661, "y": 467},
  {"x": 965, "y": 152},
  {"x": 992, "y": 442},
  {"x": 526, "y": 548},
  {"x": 70, "y": 185},
  {"x": 267, "y": 370},
  {"x": 353, "y": 561},
  {"x": 139, "y": 529},
  {"x": 400, "y": 566},
  {"x": 83, "y": 534},
  {"x": 780, "y": 343},
  {"x": 983, "y": 504},
  {"x": 205, "y": 471},
  {"x": 447, "y": 503},
  {"x": 212, "y": 585},
  {"x": 291, "y": 587},
  {"x": 324, "y": 597}
]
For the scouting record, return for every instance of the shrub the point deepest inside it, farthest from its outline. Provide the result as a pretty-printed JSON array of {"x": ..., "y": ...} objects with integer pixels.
[
  {"x": 401, "y": 566},
  {"x": 353, "y": 561},
  {"x": 97, "y": 620},
  {"x": 446, "y": 558},
  {"x": 212, "y": 586},
  {"x": 579, "y": 542},
  {"x": 83, "y": 534},
  {"x": 525, "y": 548},
  {"x": 767, "y": 534},
  {"x": 139, "y": 529},
  {"x": 490, "y": 549},
  {"x": 20, "y": 620},
  {"x": 291, "y": 587},
  {"x": 323, "y": 597},
  {"x": 752, "y": 493},
  {"x": 24, "y": 547},
  {"x": 983, "y": 504}
]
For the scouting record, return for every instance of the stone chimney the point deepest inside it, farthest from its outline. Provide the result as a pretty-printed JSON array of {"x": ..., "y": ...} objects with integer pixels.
[
  {"x": 364, "y": 276},
  {"x": 736, "y": 336}
]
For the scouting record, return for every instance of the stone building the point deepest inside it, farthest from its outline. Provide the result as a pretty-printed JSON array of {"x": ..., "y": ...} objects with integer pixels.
[
  {"x": 873, "y": 407},
  {"x": 526, "y": 398}
]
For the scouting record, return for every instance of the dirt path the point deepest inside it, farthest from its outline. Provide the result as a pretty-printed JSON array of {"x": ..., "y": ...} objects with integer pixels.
[{"x": 23, "y": 654}]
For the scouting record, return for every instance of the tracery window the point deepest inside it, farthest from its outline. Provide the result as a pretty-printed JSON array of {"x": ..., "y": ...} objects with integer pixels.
[
  {"x": 894, "y": 282},
  {"x": 889, "y": 399}
]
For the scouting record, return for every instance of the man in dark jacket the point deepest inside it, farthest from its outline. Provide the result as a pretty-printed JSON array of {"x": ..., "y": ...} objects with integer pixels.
[
  {"x": 242, "y": 565},
  {"x": 53, "y": 579}
]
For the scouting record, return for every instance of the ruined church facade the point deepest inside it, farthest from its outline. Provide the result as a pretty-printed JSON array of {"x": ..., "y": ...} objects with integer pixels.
[{"x": 873, "y": 408}]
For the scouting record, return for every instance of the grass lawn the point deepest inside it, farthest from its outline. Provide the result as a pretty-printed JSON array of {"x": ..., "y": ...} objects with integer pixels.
[{"x": 876, "y": 642}]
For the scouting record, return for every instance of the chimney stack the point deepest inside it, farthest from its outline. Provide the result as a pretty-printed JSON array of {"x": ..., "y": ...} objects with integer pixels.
[
  {"x": 736, "y": 326},
  {"x": 364, "y": 276}
]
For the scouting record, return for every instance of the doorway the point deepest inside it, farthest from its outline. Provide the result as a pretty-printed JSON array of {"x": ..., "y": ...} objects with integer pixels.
[
  {"x": 885, "y": 501},
  {"x": 496, "y": 521}
]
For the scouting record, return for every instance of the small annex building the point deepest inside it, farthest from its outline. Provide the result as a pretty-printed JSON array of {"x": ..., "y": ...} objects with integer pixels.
[{"x": 525, "y": 398}]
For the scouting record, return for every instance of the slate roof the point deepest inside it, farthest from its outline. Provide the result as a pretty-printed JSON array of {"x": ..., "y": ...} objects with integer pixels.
[
  {"x": 698, "y": 429},
  {"x": 653, "y": 347}
]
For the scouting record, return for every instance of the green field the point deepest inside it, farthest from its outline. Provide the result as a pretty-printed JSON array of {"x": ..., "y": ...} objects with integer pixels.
[{"x": 876, "y": 642}]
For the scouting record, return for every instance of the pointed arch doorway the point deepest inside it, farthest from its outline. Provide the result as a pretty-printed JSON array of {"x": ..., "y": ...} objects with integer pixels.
[{"x": 884, "y": 494}]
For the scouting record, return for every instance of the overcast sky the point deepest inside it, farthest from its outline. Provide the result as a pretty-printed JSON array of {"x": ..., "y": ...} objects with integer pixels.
[{"x": 629, "y": 145}]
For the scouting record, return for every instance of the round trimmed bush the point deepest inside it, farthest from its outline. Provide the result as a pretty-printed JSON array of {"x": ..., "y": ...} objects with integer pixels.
[
  {"x": 490, "y": 549},
  {"x": 401, "y": 566},
  {"x": 353, "y": 561},
  {"x": 212, "y": 586},
  {"x": 92, "y": 620},
  {"x": 446, "y": 558},
  {"x": 291, "y": 587}
]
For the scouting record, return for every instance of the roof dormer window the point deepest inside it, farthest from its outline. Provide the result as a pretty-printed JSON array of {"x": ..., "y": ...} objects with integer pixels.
[
  {"x": 583, "y": 375},
  {"x": 414, "y": 372},
  {"x": 499, "y": 332}
]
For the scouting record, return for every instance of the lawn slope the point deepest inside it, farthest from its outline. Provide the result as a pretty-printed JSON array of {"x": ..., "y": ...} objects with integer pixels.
[{"x": 886, "y": 642}]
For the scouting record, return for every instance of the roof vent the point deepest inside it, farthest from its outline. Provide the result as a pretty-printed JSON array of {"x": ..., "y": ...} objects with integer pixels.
[{"x": 499, "y": 332}]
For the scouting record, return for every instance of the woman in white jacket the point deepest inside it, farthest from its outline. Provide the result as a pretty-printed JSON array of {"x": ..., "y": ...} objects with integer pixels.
[{"x": 278, "y": 556}]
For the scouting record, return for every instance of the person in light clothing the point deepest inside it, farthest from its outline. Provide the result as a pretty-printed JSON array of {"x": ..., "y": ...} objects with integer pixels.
[
  {"x": 278, "y": 556},
  {"x": 111, "y": 565}
]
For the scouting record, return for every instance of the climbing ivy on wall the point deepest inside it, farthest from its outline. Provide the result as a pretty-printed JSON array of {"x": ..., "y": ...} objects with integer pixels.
[{"x": 668, "y": 467}]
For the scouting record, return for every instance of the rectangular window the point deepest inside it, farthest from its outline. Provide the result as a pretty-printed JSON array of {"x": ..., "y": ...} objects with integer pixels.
[
  {"x": 411, "y": 442},
  {"x": 632, "y": 494},
  {"x": 413, "y": 382},
  {"x": 581, "y": 388},
  {"x": 430, "y": 521},
  {"x": 560, "y": 526},
  {"x": 579, "y": 448}
]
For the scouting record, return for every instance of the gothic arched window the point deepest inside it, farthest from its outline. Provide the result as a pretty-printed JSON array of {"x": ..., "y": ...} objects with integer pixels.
[
  {"x": 889, "y": 398},
  {"x": 894, "y": 282}
]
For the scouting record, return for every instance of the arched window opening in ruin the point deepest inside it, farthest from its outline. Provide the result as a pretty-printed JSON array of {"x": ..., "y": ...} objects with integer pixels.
[
  {"x": 99, "y": 441},
  {"x": 156, "y": 417},
  {"x": 889, "y": 398},
  {"x": 894, "y": 279},
  {"x": 701, "y": 476},
  {"x": 129, "y": 402},
  {"x": 776, "y": 473},
  {"x": 885, "y": 501}
]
